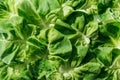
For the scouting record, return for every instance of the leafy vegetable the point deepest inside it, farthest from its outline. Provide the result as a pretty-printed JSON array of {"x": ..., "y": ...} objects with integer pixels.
[{"x": 59, "y": 39}]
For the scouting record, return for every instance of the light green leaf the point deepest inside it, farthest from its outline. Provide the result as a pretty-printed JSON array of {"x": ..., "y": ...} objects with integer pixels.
[{"x": 104, "y": 55}]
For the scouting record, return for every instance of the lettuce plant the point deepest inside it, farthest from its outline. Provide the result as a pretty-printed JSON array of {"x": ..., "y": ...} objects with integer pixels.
[{"x": 59, "y": 39}]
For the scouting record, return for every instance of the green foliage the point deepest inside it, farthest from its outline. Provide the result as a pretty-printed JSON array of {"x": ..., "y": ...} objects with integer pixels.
[{"x": 59, "y": 39}]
